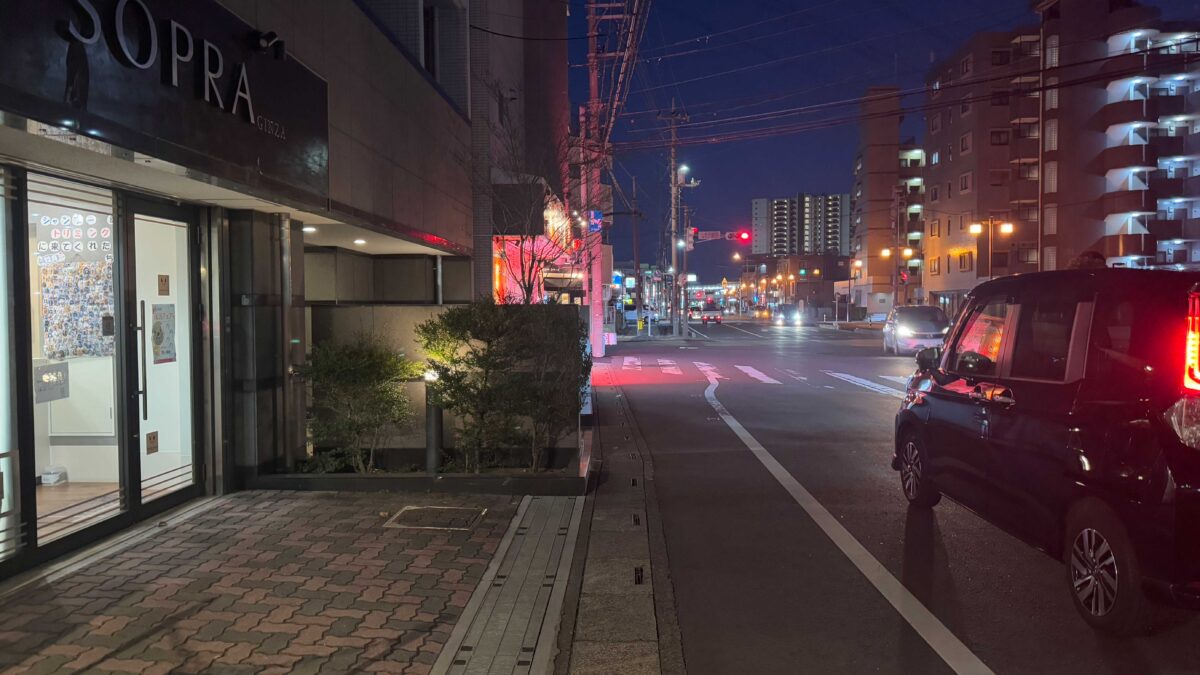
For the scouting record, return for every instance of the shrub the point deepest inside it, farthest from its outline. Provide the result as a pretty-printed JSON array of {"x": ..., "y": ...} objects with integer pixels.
[{"x": 358, "y": 400}]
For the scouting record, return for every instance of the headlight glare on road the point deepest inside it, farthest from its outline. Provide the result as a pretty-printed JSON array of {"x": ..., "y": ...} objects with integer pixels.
[{"x": 904, "y": 331}]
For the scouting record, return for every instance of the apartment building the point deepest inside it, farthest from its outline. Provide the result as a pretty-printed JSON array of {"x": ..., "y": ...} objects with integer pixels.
[
  {"x": 803, "y": 224},
  {"x": 886, "y": 207},
  {"x": 981, "y": 175},
  {"x": 1120, "y": 156}
]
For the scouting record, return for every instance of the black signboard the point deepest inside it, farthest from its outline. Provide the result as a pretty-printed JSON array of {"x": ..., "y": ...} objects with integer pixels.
[{"x": 181, "y": 80}]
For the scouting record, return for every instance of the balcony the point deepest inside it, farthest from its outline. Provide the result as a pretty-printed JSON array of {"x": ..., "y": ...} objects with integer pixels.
[
  {"x": 1129, "y": 201},
  {"x": 1167, "y": 188},
  {"x": 1121, "y": 245},
  {"x": 1022, "y": 148},
  {"x": 1024, "y": 107},
  {"x": 1023, "y": 190},
  {"x": 1167, "y": 105},
  {"x": 1125, "y": 19},
  {"x": 1166, "y": 229},
  {"x": 1140, "y": 64},
  {"x": 1168, "y": 146},
  {"x": 1126, "y": 112},
  {"x": 1128, "y": 157}
]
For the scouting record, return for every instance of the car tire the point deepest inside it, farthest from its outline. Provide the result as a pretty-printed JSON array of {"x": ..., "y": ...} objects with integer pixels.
[
  {"x": 1100, "y": 558},
  {"x": 886, "y": 348},
  {"x": 914, "y": 464}
]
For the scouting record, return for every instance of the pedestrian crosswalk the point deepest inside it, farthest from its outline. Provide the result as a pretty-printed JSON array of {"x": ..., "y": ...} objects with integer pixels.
[{"x": 683, "y": 371}]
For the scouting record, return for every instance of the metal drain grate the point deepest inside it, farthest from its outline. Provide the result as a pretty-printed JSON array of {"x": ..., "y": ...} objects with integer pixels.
[{"x": 455, "y": 518}]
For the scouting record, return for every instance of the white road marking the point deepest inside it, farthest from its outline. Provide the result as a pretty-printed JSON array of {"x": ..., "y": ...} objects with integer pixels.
[
  {"x": 758, "y": 375},
  {"x": 866, "y": 384},
  {"x": 699, "y": 333},
  {"x": 940, "y": 639},
  {"x": 708, "y": 370},
  {"x": 668, "y": 367},
  {"x": 898, "y": 379},
  {"x": 632, "y": 363},
  {"x": 746, "y": 331},
  {"x": 795, "y": 375}
]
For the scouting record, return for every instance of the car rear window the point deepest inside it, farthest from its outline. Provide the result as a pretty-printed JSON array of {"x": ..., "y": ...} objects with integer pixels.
[
  {"x": 934, "y": 314},
  {"x": 1138, "y": 339}
]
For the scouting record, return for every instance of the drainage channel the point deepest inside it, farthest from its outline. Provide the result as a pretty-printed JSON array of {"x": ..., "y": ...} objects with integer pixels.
[{"x": 511, "y": 622}]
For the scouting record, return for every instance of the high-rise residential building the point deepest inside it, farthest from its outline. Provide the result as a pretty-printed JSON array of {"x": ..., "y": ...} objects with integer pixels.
[
  {"x": 803, "y": 224},
  {"x": 1120, "y": 156},
  {"x": 981, "y": 171},
  {"x": 886, "y": 208}
]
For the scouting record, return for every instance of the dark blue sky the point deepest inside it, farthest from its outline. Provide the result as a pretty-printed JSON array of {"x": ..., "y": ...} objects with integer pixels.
[{"x": 800, "y": 53}]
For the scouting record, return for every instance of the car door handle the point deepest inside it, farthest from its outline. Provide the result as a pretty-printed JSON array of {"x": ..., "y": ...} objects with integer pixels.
[
  {"x": 1003, "y": 396},
  {"x": 979, "y": 393}
]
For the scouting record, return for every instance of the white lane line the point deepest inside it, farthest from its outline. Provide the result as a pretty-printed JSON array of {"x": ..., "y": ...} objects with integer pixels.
[
  {"x": 699, "y": 333},
  {"x": 898, "y": 379},
  {"x": 632, "y": 363},
  {"x": 708, "y": 371},
  {"x": 668, "y": 367},
  {"x": 866, "y": 384},
  {"x": 795, "y": 375},
  {"x": 940, "y": 639},
  {"x": 763, "y": 337},
  {"x": 758, "y": 375}
]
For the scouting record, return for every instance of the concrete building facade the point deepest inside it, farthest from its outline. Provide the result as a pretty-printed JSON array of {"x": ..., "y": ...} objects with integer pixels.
[{"x": 803, "y": 224}]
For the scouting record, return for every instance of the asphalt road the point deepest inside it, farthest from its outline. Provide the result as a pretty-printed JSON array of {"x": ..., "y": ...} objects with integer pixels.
[{"x": 761, "y": 587}]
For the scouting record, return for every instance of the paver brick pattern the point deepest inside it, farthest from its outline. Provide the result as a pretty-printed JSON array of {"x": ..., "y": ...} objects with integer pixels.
[{"x": 263, "y": 582}]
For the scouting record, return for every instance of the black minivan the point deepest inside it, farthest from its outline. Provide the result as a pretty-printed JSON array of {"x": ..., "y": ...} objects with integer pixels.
[{"x": 1065, "y": 408}]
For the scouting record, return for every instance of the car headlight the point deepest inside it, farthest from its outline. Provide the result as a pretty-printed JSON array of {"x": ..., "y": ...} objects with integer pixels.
[{"x": 904, "y": 331}]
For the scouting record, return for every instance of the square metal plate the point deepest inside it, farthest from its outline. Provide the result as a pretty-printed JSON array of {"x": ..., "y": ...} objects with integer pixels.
[{"x": 454, "y": 518}]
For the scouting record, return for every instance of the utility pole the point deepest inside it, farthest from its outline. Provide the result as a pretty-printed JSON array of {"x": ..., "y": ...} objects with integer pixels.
[
  {"x": 637, "y": 263},
  {"x": 674, "y": 118},
  {"x": 687, "y": 235}
]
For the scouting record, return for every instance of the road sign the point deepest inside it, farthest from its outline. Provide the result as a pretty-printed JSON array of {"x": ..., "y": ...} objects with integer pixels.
[{"x": 709, "y": 235}]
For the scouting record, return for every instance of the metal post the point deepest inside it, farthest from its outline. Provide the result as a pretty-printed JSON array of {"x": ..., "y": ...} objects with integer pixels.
[
  {"x": 637, "y": 265},
  {"x": 433, "y": 434}
]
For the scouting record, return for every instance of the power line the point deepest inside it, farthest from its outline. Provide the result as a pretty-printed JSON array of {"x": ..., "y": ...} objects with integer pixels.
[{"x": 534, "y": 39}]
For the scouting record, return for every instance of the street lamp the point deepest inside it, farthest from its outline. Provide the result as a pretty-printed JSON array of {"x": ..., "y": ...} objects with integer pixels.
[
  {"x": 907, "y": 253},
  {"x": 737, "y": 256},
  {"x": 886, "y": 253},
  {"x": 991, "y": 224},
  {"x": 680, "y": 244}
]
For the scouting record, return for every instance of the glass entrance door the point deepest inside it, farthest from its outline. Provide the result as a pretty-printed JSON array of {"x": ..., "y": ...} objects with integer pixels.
[{"x": 163, "y": 308}]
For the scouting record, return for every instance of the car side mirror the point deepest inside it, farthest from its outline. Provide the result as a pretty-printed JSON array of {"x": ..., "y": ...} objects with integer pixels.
[{"x": 928, "y": 358}]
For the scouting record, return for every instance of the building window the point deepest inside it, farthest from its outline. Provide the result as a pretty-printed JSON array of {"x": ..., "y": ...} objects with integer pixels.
[
  {"x": 1027, "y": 130},
  {"x": 964, "y": 107},
  {"x": 966, "y": 261},
  {"x": 935, "y": 266},
  {"x": 1027, "y": 254},
  {"x": 1030, "y": 47},
  {"x": 1051, "y": 93},
  {"x": 935, "y": 228},
  {"x": 1050, "y": 259},
  {"x": 1001, "y": 57},
  {"x": 1050, "y": 178},
  {"x": 1027, "y": 171},
  {"x": 933, "y": 193},
  {"x": 998, "y": 177},
  {"x": 964, "y": 66},
  {"x": 1051, "y": 140},
  {"x": 935, "y": 158},
  {"x": 429, "y": 46},
  {"x": 1050, "y": 224},
  {"x": 1027, "y": 213},
  {"x": 1000, "y": 97},
  {"x": 964, "y": 144},
  {"x": 966, "y": 182},
  {"x": 935, "y": 122},
  {"x": 1052, "y": 51},
  {"x": 963, "y": 219},
  {"x": 1000, "y": 136}
]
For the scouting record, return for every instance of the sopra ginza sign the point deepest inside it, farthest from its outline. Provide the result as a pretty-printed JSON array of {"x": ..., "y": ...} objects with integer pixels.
[
  {"x": 186, "y": 81},
  {"x": 138, "y": 38}
]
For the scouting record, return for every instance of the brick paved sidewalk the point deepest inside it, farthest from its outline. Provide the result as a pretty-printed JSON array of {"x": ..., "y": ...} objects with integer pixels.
[{"x": 262, "y": 582}]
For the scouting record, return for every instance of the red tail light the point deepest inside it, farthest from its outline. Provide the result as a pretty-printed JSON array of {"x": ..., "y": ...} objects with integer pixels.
[{"x": 1191, "y": 363}]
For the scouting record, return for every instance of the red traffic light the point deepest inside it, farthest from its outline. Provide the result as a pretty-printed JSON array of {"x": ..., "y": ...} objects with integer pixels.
[{"x": 744, "y": 235}]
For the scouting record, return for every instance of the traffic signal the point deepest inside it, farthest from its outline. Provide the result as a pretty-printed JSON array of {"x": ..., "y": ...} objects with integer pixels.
[
  {"x": 803, "y": 272},
  {"x": 744, "y": 236},
  {"x": 904, "y": 277},
  {"x": 691, "y": 237}
]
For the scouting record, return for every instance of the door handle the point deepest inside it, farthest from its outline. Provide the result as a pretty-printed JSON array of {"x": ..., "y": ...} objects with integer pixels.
[
  {"x": 1003, "y": 396},
  {"x": 145, "y": 394},
  {"x": 979, "y": 393}
]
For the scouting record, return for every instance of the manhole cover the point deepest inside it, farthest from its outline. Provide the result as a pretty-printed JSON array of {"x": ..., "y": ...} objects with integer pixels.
[{"x": 436, "y": 518}]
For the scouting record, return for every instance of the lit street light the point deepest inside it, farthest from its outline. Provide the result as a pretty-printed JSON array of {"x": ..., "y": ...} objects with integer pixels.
[
  {"x": 886, "y": 253},
  {"x": 907, "y": 253},
  {"x": 737, "y": 256}
]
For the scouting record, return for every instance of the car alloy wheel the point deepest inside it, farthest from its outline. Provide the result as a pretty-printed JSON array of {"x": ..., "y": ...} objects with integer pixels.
[
  {"x": 910, "y": 469},
  {"x": 1094, "y": 573}
]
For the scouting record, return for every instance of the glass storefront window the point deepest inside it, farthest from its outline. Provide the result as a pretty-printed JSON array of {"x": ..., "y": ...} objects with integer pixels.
[
  {"x": 11, "y": 536},
  {"x": 74, "y": 326}
]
